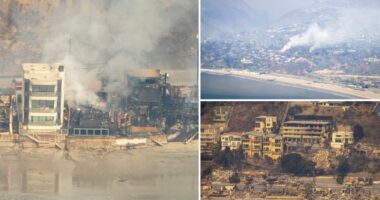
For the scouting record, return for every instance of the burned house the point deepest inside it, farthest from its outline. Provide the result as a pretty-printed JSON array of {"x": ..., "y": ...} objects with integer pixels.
[
  {"x": 89, "y": 121},
  {"x": 148, "y": 93},
  {"x": 153, "y": 102}
]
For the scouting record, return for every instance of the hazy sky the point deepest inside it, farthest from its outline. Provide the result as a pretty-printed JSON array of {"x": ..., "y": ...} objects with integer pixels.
[{"x": 277, "y": 8}]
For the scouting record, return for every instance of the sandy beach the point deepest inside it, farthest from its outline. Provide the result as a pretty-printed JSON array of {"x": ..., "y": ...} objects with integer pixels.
[{"x": 287, "y": 79}]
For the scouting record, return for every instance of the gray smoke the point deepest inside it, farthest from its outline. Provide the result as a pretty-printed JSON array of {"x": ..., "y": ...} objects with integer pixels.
[
  {"x": 111, "y": 37},
  {"x": 353, "y": 22},
  {"x": 101, "y": 39}
]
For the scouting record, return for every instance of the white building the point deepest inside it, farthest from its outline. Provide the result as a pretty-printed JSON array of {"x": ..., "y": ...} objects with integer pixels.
[
  {"x": 42, "y": 97},
  {"x": 341, "y": 137}
]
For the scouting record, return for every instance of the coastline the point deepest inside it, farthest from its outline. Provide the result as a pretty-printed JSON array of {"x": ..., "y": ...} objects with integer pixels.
[{"x": 293, "y": 81}]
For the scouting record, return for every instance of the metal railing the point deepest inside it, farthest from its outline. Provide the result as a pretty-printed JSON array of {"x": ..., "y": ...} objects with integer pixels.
[
  {"x": 42, "y": 123},
  {"x": 43, "y": 94},
  {"x": 43, "y": 110}
]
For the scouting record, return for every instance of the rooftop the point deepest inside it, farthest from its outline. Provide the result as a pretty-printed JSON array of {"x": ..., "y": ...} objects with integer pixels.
[
  {"x": 255, "y": 133},
  {"x": 307, "y": 122},
  {"x": 232, "y": 134}
]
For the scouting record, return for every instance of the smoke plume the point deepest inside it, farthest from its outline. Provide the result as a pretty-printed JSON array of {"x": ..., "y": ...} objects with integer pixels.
[
  {"x": 352, "y": 23},
  {"x": 101, "y": 39}
]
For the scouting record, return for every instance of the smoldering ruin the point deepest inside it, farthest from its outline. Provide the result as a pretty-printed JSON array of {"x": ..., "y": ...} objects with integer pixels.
[{"x": 127, "y": 71}]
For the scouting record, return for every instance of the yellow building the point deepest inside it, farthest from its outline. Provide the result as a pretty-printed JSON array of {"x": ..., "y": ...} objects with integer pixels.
[
  {"x": 209, "y": 137},
  {"x": 252, "y": 144},
  {"x": 232, "y": 140},
  {"x": 265, "y": 124},
  {"x": 272, "y": 146},
  {"x": 259, "y": 145}
]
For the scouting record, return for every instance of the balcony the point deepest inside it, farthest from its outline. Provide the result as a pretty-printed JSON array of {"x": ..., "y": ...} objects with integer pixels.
[
  {"x": 43, "y": 94},
  {"x": 43, "y": 110},
  {"x": 42, "y": 123}
]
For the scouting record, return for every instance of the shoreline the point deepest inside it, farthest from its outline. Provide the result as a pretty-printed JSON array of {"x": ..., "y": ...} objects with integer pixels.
[{"x": 296, "y": 82}]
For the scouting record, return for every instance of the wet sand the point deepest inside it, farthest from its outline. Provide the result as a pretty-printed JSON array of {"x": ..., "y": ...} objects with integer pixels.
[{"x": 169, "y": 172}]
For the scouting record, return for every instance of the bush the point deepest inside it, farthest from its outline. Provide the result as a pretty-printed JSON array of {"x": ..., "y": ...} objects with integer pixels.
[
  {"x": 297, "y": 165},
  {"x": 358, "y": 133},
  {"x": 235, "y": 178},
  {"x": 295, "y": 110},
  {"x": 230, "y": 159}
]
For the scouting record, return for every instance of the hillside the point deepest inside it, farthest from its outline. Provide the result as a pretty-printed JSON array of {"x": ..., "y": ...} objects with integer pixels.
[
  {"x": 359, "y": 114},
  {"x": 244, "y": 113}
]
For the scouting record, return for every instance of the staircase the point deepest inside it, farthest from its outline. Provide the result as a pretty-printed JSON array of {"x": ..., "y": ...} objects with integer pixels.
[
  {"x": 157, "y": 142},
  {"x": 43, "y": 143},
  {"x": 190, "y": 138}
]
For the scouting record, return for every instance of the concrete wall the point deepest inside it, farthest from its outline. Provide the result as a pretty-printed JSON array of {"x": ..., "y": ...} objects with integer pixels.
[
  {"x": 90, "y": 142},
  {"x": 133, "y": 141}
]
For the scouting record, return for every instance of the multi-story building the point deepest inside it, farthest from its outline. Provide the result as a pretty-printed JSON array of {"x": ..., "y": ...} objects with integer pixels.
[
  {"x": 265, "y": 124},
  {"x": 232, "y": 140},
  {"x": 272, "y": 146},
  {"x": 305, "y": 132},
  {"x": 253, "y": 144},
  {"x": 209, "y": 137},
  {"x": 260, "y": 145},
  {"x": 42, "y": 97},
  {"x": 328, "y": 104},
  {"x": 221, "y": 113},
  {"x": 343, "y": 136}
]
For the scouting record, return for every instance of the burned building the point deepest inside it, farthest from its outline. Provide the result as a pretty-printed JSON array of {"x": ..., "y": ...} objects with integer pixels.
[
  {"x": 89, "y": 121},
  {"x": 152, "y": 101},
  {"x": 147, "y": 102},
  {"x": 149, "y": 92}
]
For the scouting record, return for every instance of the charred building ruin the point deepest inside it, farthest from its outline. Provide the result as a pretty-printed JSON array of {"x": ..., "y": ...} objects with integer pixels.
[{"x": 148, "y": 105}]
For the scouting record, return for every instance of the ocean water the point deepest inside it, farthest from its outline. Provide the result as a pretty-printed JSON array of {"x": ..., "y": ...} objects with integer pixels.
[
  {"x": 168, "y": 172},
  {"x": 215, "y": 86}
]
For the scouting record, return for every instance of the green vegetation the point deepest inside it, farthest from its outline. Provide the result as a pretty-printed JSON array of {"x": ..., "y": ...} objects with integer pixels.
[
  {"x": 217, "y": 149},
  {"x": 295, "y": 110},
  {"x": 296, "y": 164},
  {"x": 342, "y": 169},
  {"x": 355, "y": 162},
  {"x": 235, "y": 178},
  {"x": 231, "y": 159},
  {"x": 358, "y": 133}
]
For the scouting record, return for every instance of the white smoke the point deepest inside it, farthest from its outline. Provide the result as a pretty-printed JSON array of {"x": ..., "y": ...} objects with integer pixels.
[
  {"x": 351, "y": 23},
  {"x": 107, "y": 37},
  {"x": 315, "y": 37}
]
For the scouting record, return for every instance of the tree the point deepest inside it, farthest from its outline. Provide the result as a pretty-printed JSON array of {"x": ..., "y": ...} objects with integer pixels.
[
  {"x": 358, "y": 133},
  {"x": 217, "y": 149},
  {"x": 342, "y": 169},
  {"x": 297, "y": 165},
  {"x": 235, "y": 178},
  {"x": 373, "y": 167},
  {"x": 227, "y": 158},
  {"x": 231, "y": 158},
  {"x": 358, "y": 162},
  {"x": 295, "y": 110},
  {"x": 340, "y": 179},
  {"x": 239, "y": 157}
]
